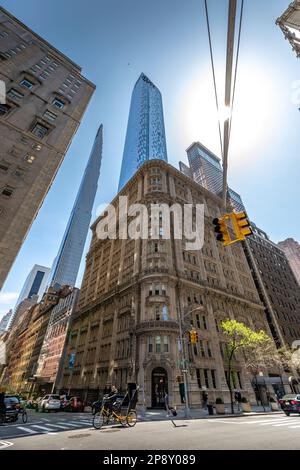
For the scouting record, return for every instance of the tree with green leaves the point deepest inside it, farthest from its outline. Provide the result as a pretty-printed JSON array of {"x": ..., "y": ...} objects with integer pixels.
[{"x": 241, "y": 338}]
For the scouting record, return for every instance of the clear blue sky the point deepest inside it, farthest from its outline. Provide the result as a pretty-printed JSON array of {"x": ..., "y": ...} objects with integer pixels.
[{"x": 114, "y": 41}]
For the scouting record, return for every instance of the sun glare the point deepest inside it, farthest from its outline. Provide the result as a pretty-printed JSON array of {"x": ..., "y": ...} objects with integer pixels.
[{"x": 253, "y": 119}]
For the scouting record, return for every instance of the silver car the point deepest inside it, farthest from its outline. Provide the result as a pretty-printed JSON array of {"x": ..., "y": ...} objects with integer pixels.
[{"x": 49, "y": 403}]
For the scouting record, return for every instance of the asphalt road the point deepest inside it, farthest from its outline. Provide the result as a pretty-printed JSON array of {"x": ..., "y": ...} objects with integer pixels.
[{"x": 64, "y": 431}]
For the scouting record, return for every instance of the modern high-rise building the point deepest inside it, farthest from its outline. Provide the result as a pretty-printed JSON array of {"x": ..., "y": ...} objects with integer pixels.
[
  {"x": 65, "y": 268},
  {"x": 46, "y": 97},
  {"x": 291, "y": 249},
  {"x": 289, "y": 23},
  {"x": 205, "y": 168},
  {"x": 145, "y": 137},
  {"x": 32, "y": 290}
]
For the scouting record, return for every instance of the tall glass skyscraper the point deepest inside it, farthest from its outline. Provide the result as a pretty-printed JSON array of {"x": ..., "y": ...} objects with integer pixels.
[
  {"x": 66, "y": 264},
  {"x": 145, "y": 137},
  {"x": 205, "y": 168}
]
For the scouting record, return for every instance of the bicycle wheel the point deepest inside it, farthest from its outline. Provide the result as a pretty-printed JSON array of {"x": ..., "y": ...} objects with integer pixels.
[
  {"x": 99, "y": 419},
  {"x": 131, "y": 418},
  {"x": 24, "y": 417}
]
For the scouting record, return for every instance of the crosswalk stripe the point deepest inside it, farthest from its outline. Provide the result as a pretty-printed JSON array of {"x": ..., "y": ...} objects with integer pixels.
[
  {"x": 84, "y": 423},
  {"x": 69, "y": 424},
  {"x": 295, "y": 427},
  {"x": 273, "y": 422},
  {"x": 56, "y": 426},
  {"x": 283, "y": 424},
  {"x": 30, "y": 431},
  {"x": 43, "y": 428}
]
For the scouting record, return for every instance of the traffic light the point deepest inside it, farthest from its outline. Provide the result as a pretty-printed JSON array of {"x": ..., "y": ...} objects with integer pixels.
[
  {"x": 241, "y": 225},
  {"x": 193, "y": 336},
  {"x": 222, "y": 230}
]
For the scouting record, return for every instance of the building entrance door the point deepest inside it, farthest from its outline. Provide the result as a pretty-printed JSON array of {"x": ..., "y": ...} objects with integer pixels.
[{"x": 159, "y": 387}]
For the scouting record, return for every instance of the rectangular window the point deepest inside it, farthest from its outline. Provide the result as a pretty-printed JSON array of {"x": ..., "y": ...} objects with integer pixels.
[
  {"x": 58, "y": 103},
  {"x": 7, "y": 191},
  {"x": 19, "y": 172},
  {"x": 239, "y": 380},
  {"x": 198, "y": 321},
  {"x": 204, "y": 322},
  {"x": 157, "y": 344},
  {"x": 202, "y": 350},
  {"x": 209, "y": 349},
  {"x": 4, "y": 109},
  {"x": 14, "y": 94},
  {"x": 4, "y": 166},
  {"x": 157, "y": 313},
  {"x": 26, "y": 83},
  {"x": 166, "y": 344},
  {"x": 50, "y": 116},
  {"x": 213, "y": 378},
  {"x": 198, "y": 374},
  {"x": 206, "y": 377},
  {"x": 40, "y": 131}
]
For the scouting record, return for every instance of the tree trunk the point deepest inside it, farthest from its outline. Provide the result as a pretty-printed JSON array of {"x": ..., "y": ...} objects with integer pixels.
[{"x": 230, "y": 383}]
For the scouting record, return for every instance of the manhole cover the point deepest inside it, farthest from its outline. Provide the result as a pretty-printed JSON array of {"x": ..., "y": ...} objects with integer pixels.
[
  {"x": 78, "y": 436},
  {"x": 111, "y": 430}
]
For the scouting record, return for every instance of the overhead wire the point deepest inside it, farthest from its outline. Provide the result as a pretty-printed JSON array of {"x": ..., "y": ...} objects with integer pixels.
[{"x": 213, "y": 72}]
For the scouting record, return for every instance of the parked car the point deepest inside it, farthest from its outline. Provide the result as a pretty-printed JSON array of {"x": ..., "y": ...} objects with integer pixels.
[
  {"x": 64, "y": 401},
  {"x": 74, "y": 404},
  {"x": 290, "y": 403},
  {"x": 12, "y": 405},
  {"x": 49, "y": 403}
]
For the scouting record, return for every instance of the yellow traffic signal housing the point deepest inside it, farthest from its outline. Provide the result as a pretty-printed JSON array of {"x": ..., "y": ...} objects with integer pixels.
[
  {"x": 241, "y": 225},
  {"x": 193, "y": 336},
  {"x": 222, "y": 230}
]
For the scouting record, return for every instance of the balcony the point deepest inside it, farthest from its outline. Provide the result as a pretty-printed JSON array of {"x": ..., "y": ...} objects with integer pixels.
[{"x": 159, "y": 325}]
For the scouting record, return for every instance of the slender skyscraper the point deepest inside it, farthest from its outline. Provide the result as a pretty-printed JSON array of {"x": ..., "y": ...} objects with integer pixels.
[
  {"x": 145, "y": 137},
  {"x": 66, "y": 264},
  {"x": 205, "y": 168}
]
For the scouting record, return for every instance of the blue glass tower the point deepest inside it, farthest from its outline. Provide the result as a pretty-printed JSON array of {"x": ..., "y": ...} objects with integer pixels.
[
  {"x": 66, "y": 264},
  {"x": 145, "y": 137}
]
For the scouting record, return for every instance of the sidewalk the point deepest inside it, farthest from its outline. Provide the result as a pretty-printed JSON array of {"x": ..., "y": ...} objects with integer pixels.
[{"x": 161, "y": 415}]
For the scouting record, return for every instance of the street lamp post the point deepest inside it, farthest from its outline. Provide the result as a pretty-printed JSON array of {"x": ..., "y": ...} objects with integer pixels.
[{"x": 184, "y": 357}]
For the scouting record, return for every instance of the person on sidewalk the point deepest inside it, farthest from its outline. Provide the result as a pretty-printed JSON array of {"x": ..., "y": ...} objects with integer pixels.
[
  {"x": 204, "y": 400},
  {"x": 238, "y": 399}
]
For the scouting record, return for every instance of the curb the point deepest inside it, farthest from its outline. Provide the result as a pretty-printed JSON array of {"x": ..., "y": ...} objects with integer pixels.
[{"x": 182, "y": 418}]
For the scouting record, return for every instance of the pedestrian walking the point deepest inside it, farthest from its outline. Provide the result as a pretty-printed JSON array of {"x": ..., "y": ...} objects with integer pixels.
[
  {"x": 238, "y": 399},
  {"x": 204, "y": 400}
]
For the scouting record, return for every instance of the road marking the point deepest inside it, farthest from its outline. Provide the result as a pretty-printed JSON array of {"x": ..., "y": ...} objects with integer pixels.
[
  {"x": 282, "y": 420},
  {"x": 43, "y": 428},
  {"x": 284, "y": 424},
  {"x": 295, "y": 427},
  {"x": 69, "y": 424},
  {"x": 4, "y": 444},
  {"x": 30, "y": 431},
  {"x": 80, "y": 422},
  {"x": 56, "y": 426}
]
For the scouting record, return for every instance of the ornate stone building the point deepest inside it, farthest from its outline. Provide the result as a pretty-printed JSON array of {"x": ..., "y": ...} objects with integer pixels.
[
  {"x": 46, "y": 97},
  {"x": 24, "y": 343},
  {"x": 134, "y": 292}
]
